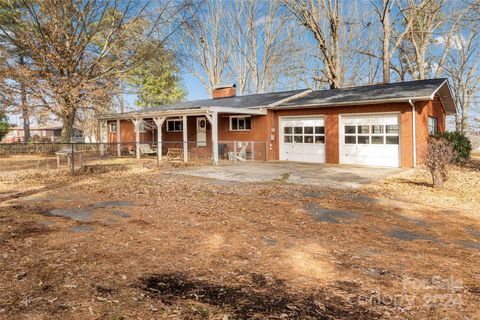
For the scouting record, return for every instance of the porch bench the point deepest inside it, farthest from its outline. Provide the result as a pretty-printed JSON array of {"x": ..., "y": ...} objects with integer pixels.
[{"x": 175, "y": 154}]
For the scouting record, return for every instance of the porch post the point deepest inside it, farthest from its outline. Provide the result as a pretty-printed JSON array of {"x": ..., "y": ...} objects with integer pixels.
[
  {"x": 185, "y": 139},
  {"x": 214, "y": 123},
  {"x": 159, "y": 122},
  {"x": 137, "y": 123},
  {"x": 119, "y": 149},
  {"x": 100, "y": 137}
]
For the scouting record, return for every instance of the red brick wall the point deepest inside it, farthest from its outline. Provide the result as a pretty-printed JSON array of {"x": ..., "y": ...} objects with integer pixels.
[{"x": 426, "y": 109}]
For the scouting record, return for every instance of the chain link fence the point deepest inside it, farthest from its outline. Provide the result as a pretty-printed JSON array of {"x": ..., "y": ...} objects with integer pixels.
[{"x": 17, "y": 159}]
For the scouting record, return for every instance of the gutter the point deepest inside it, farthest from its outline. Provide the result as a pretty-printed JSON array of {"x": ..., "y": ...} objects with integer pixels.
[{"x": 414, "y": 132}]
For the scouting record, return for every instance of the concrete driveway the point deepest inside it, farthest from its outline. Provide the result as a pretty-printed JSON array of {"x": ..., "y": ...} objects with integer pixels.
[{"x": 328, "y": 175}]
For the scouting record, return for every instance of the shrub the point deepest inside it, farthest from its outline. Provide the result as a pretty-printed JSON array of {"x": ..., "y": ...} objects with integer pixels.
[
  {"x": 461, "y": 144},
  {"x": 439, "y": 157}
]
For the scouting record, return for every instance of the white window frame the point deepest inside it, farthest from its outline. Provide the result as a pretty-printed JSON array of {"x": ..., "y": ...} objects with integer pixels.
[
  {"x": 110, "y": 125},
  {"x": 174, "y": 120},
  {"x": 237, "y": 119},
  {"x": 435, "y": 121},
  {"x": 370, "y": 134},
  {"x": 314, "y": 135}
]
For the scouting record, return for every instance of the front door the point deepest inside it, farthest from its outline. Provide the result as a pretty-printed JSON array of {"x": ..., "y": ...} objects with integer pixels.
[{"x": 201, "y": 132}]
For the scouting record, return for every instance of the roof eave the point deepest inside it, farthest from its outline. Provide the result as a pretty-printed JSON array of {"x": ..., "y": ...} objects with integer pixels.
[{"x": 175, "y": 113}]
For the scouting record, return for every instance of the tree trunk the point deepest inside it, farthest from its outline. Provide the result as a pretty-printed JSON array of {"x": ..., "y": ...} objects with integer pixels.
[
  {"x": 26, "y": 123},
  {"x": 122, "y": 101},
  {"x": 24, "y": 107},
  {"x": 67, "y": 126},
  {"x": 437, "y": 178}
]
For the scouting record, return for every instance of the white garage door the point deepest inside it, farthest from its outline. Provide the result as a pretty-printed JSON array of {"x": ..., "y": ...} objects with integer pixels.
[
  {"x": 302, "y": 139},
  {"x": 370, "y": 140}
]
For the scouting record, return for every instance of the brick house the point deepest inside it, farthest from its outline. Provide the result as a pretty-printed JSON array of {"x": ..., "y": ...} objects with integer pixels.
[
  {"x": 48, "y": 133},
  {"x": 377, "y": 125}
]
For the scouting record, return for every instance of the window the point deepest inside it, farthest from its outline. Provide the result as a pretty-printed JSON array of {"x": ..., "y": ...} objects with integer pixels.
[
  {"x": 308, "y": 134},
  {"x": 174, "y": 125},
  {"x": 112, "y": 128},
  {"x": 77, "y": 134},
  {"x": 371, "y": 134},
  {"x": 142, "y": 127},
  {"x": 432, "y": 125},
  {"x": 242, "y": 123}
]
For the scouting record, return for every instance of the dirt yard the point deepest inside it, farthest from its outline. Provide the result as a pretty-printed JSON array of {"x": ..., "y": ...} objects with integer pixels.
[{"x": 141, "y": 243}]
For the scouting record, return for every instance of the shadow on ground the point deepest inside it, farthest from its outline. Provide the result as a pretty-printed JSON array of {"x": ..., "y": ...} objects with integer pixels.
[{"x": 262, "y": 297}]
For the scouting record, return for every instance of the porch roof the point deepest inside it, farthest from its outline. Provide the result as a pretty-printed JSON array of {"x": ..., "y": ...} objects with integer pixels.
[{"x": 198, "y": 111}]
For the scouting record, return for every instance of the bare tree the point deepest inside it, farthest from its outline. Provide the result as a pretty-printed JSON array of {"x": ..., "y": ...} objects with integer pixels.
[
  {"x": 392, "y": 34},
  {"x": 259, "y": 35},
  {"x": 463, "y": 69},
  {"x": 323, "y": 20},
  {"x": 70, "y": 44},
  {"x": 438, "y": 159},
  {"x": 424, "y": 19},
  {"x": 205, "y": 45}
]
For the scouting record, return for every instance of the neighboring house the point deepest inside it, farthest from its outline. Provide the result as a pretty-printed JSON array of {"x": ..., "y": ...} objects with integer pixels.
[
  {"x": 378, "y": 125},
  {"x": 49, "y": 133}
]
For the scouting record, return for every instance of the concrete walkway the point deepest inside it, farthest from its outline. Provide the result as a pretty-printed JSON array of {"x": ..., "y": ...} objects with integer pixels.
[{"x": 328, "y": 175}]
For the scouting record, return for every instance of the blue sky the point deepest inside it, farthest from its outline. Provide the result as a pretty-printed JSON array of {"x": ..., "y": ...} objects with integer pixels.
[{"x": 194, "y": 87}]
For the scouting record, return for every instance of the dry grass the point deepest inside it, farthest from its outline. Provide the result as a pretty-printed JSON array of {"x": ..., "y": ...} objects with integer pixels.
[
  {"x": 193, "y": 248},
  {"x": 461, "y": 191}
]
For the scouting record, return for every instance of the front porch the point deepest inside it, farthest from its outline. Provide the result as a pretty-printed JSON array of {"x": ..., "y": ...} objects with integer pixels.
[{"x": 185, "y": 135}]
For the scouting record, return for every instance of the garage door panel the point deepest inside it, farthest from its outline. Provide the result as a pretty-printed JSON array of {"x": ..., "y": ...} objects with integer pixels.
[
  {"x": 369, "y": 128},
  {"x": 305, "y": 137}
]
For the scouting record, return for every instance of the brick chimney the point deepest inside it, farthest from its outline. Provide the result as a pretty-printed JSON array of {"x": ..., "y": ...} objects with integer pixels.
[{"x": 224, "y": 91}]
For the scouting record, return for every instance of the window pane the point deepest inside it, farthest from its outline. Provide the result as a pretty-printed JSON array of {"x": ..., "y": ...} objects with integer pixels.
[
  {"x": 178, "y": 125},
  {"x": 392, "y": 128},
  {"x": 392, "y": 139},
  {"x": 349, "y": 129},
  {"x": 350, "y": 139},
  {"x": 319, "y": 139},
  {"x": 363, "y": 140},
  {"x": 432, "y": 125},
  {"x": 298, "y": 130},
  {"x": 234, "y": 123},
  {"x": 287, "y": 130},
  {"x": 377, "y": 139},
  {"x": 171, "y": 126},
  {"x": 319, "y": 130},
  {"x": 308, "y": 139},
  {"x": 248, "y": 123},
  {"x": 287, "y": 139},
  {"x": 308, "y": 130},
  {"x": 241, "y": 124},
  {"x": 298, "y": 139},
  {"x": 377, "y": 129},
  {"x": 363, "y": 129}
]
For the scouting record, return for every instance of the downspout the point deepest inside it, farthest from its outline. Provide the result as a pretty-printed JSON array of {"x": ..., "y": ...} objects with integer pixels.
[{"x": 414, "y": 133}]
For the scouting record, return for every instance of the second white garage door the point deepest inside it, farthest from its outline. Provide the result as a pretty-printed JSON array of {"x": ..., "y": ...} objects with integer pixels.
[
  {"x": 302, "y": 139},
  {"x": 370, "y": 140}
]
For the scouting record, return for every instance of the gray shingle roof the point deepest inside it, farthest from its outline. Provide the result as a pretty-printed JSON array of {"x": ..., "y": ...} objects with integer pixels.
[
  {"x": 400, "y": 90},
  {"x": 248, "y": 101},
  {"x": 393, "y": 92}
]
